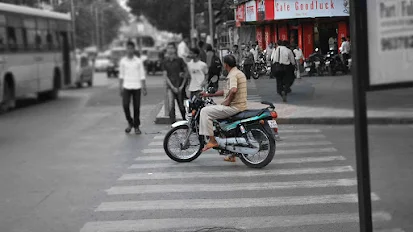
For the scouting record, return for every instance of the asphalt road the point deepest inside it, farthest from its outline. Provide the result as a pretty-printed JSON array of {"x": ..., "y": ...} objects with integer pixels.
[{"x": 67, "y": 165}]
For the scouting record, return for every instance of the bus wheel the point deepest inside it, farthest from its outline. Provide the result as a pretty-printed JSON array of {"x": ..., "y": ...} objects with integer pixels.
[{"x": 9, "y": 101}]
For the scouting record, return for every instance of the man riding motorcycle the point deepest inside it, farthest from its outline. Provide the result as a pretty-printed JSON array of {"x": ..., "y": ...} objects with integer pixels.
[{"x": 235, "y": 101}]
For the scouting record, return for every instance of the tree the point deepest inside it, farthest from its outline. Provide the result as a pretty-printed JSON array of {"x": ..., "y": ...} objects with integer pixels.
[
  {"x": 112, "y": 15},
  {"x": 174, "y": 15}
]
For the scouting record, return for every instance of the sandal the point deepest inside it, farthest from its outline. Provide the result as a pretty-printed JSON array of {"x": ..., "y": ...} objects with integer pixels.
[
  {"x": 209, "y": 146},
  {"x": 230, "y": 159}
]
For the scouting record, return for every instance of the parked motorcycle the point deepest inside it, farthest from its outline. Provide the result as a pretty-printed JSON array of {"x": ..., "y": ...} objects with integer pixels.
[
  {"x": 315, "y": 64},
  {"x": 249, "y": 135},
  {"x": 260, "y": 67},
  {"x": 334, "y": 63}
]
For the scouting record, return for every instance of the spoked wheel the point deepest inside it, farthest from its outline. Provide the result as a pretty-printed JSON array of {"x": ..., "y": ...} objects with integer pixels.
[
  {"x": 255, "y": 75},
  {"x": 266, "y": 144},
  {"x": 176, "y": 149}
]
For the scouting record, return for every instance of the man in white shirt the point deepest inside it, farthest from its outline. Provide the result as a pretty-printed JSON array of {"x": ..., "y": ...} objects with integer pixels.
[
  {"x": 345, "y": 50},
  {"x": 285, "y": 58},
  {"x": 254, "y": 51},
  {"x": 298, "y": 53},
  {"x": 132, "y": 80},
  {"x": 198, "y": 71},
  {"x": 183, "y": 50}
]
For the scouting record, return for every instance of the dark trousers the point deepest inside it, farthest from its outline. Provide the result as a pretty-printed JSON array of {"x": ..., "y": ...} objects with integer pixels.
[
  {"x": 345, "y": 58},
  {"x": 135, "y": 95},
  {"x": 179, "y": 97},
  {"x": 247, "y": 70},
  {"x": 285, "y": 79}
]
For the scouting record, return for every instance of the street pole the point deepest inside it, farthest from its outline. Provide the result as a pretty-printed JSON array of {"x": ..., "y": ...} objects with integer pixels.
[
  {"x": 73, "y": 11},
  {"x": 192, "y": 22},
  {"x": 211, "y": 23},
  {"x": 97, "y": 28}
]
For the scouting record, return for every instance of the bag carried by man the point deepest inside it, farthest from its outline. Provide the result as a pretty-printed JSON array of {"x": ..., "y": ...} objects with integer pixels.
[{"x": 277, "y": 67}]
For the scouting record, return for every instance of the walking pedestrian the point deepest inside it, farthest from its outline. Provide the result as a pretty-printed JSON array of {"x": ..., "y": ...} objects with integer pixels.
[
  {"x": 284, "y": 62},
  {"x": 248, "y": 59},
  {"x": 298, "y": 58},
  {"x": 198, "y": 71},
  {"x": 345, "y": 50},
  {"x": 175, "y": 73},
  {"x": 237, "y": 54},
  {"x": 132, "y": 79}
]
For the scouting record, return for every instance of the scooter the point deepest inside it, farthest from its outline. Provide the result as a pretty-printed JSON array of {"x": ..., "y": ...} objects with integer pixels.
[{"x": 314, "y": 64}]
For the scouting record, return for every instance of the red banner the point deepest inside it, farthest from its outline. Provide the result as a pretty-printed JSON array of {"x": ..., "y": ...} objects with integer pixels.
[
  {"x": 308, "y": 31},
  {"x": 275, "y": 34},
  {"x": 342, "y": 32},
  {"x": 267, "y": 35},
  {"x": 240, "y": 17},
  {"x": 300, "y": 36},
  {"x": 259, "y": 36},
  {"x": 282, "y": 32},
  {"x": 269, "y": 9}
]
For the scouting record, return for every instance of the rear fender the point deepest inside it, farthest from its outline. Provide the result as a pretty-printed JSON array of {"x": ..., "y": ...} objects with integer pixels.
[{"x": 180, "y": 123}]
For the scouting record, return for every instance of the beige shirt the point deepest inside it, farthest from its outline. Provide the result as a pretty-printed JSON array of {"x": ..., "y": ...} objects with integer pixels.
[{"x": 237, "y": 79}]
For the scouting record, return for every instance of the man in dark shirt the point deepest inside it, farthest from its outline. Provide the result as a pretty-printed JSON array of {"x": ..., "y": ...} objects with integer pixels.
[
  {"x": 202, "y": 55},
  {"x": 176, "y": 76}
]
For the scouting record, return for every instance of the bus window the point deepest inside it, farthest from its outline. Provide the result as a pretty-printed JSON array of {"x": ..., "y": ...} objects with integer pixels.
[
  {"x": 49, "y": 39},
  {"x": 2, "y": 38},
  {"x": 11, "y": 38}
]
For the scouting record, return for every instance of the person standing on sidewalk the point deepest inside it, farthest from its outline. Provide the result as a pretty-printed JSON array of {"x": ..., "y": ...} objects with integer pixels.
[
  {"x": 175, "y": 74},
  {"x": 132, "y": 79},
  {"x": 345, "y": 50},
  {"x": 198, "y": 72},
  {"x": 237, "y": 54},
  {"x": 183, "y": 49},
  {"x": 202, "y": 53},
  {"x": 284, "y": 59}
]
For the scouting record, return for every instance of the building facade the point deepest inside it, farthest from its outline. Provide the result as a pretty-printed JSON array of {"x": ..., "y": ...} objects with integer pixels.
[{"x": 306, "y": 23}]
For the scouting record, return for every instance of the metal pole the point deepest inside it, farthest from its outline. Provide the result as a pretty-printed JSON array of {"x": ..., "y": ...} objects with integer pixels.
[
  {"x": 73, "y": 10},
  {"x": 102, "y": 30},
  {"x": 192, "y": 22},
  {"x": 97, "y": 28},
  {"x": 358, "y": 20},
  {"x": 211, "y": 23},
  {"x": 92, "y": 12}
]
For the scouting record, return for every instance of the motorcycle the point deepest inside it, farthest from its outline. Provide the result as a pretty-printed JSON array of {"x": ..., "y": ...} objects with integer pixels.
[
  {"x": 245, "y": 135},
  {"x": 334, "y": 63},
  {"x": 315, "y": 64},
  {"x": 260, "y": 67}
]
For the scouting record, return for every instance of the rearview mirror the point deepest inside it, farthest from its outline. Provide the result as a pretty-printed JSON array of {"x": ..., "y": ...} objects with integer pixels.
[{"x": 214, "y": 79}]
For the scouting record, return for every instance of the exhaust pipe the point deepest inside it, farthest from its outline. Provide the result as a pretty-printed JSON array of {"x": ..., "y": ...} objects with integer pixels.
[{"x": 237, "y": 145}]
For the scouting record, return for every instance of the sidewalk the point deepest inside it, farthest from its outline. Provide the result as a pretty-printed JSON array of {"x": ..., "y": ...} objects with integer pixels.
[{"x": 329, "y": 100}]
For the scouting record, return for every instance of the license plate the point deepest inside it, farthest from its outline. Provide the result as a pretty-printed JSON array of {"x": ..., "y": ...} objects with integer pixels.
[
  {"x": 273, "y": 124},
  {"x": 307, "y": 69}
]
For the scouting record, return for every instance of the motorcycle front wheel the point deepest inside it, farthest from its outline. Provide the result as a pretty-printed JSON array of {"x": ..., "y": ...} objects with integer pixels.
[
  {"x": 175, "y": 148},
  {"x": 266, "y": 145}
]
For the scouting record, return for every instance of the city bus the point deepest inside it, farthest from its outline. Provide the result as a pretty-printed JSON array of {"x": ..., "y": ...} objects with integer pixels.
[{"x": 37, "y": 55}]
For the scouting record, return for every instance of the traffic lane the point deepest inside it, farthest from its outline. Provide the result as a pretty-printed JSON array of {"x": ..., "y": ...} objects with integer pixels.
[
  {"x": 390, "y": 152},
  {"x": 56, "y": 158}
]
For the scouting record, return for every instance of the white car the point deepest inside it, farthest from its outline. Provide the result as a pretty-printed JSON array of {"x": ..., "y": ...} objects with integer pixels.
[{"x": 102, "y": 63}]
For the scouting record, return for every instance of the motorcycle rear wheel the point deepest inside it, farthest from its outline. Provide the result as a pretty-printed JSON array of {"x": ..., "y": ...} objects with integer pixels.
[
  {"x": 259, "y": 134},
  {"x": 195, "y": 141}
]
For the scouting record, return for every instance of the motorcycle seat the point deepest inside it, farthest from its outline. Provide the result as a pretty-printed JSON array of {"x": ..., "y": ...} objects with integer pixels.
[{"x": 245, "y": 114}]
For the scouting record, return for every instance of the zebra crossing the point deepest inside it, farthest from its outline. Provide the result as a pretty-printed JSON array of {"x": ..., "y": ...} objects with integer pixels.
[{"x": 310, "y": 186}]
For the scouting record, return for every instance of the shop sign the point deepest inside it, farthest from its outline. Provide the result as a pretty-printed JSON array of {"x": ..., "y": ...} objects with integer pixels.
[
  {"x": 286, "y": 9},
  {"x": 390, "y": 41},
  {"x": 240, "y": 13},
  {"x": 251, "y": 11}
]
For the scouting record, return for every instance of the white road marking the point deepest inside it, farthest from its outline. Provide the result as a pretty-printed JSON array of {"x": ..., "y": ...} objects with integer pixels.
[
  {"x": 142, "y": 189},
  {"x": 245, "y": 173},
  {"x": 216, "y": 160},
  {"x": 186, "y": 204},
  {"x": 278, "y": 144},
  {"x": 247, "y": 223},
  {"x": 161, "y": 151},
  {"x": 284, "y": 137}
]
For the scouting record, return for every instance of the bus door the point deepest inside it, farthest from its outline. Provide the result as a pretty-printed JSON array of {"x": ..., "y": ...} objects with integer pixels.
[{"x": 66, "y": 57}]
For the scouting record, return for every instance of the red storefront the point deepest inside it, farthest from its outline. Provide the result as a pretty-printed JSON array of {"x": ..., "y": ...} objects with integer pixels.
[{"x": 308, "y": 23}]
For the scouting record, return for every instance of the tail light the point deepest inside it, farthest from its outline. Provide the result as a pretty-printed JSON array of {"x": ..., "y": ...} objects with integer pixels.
[{"x": 274, "y": 114}]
